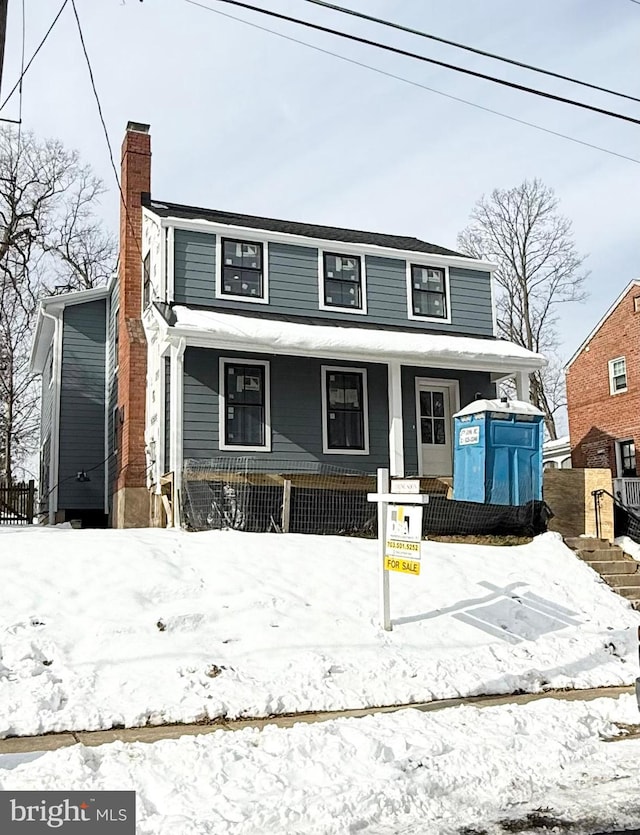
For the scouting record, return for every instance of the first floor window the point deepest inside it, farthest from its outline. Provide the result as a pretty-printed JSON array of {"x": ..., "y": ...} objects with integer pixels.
[
  {"x": 345, "y": 410},
  {"x": 342, "y": 281},
  {"x": 617, "y": 375},
  {"x": 245, "y": 404},
  {"x": 242, "y": 271},
  {"x": 627, "y": 459},
  {"x": 428, "y": 292}
]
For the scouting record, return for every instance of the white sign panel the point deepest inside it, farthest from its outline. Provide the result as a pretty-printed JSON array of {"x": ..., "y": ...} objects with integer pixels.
[
  {"x": 469, "y": 435},
  {"x": 405, "y": 485}
]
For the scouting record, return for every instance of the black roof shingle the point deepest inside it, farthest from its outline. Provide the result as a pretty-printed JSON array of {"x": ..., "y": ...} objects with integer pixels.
[{"x": 309, "y": 230}]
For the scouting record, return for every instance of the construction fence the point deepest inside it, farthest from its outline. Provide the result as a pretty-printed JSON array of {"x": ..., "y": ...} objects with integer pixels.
[{"x": 243, "y": 493}]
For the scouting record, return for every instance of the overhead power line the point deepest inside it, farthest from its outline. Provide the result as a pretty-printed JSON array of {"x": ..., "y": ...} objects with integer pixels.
[
  {"x": 397, "y": 51},
  {"x": 393, "y": 25},
  {"x": 38, "y": 48},
  {"x": 405, "y": 80}
]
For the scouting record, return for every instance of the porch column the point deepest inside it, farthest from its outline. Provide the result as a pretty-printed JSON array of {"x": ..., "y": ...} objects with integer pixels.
[
  {"x": 396, "y": 438},
  {"x": 523, "y": 386},
  {"x": 176, "y": 411}
]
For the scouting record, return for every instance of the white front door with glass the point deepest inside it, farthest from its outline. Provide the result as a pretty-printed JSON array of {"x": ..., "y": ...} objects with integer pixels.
[{"x": 434, "y": 407}]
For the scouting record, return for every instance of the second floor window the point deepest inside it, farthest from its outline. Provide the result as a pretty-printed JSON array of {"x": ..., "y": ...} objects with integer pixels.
[
  {"x": 242, "y": 269},
  {"x": 342, "y": 281},
  {"x": 428, "y": 292},
  {"x": 617, "y": 375}
]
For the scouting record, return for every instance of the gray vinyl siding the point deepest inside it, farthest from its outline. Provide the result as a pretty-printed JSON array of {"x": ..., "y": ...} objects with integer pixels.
[
  {"x": 471, "y": 384},
  {"x": 296, "y": 412},
  {"x": 194, "y": 266},
  {"x": 82, "y": 406},
  {"x": 112, "y": 393},
  {"x": 167, "y": 414},
  {"x": 293, "y": 277}
]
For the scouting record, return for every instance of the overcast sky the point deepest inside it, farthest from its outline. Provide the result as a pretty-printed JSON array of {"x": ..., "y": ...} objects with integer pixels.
[{"x": 245, "y": 121}]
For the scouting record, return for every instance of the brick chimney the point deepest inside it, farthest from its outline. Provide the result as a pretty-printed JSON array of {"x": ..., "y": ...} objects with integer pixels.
[{"x": 131, "y": 502}]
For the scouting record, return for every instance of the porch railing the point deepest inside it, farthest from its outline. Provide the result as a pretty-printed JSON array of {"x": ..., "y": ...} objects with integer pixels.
[{"x": 628, "y": 491}]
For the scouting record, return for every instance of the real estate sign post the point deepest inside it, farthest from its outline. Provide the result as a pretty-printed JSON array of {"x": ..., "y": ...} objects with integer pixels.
[{"x": 399, "y": 535}]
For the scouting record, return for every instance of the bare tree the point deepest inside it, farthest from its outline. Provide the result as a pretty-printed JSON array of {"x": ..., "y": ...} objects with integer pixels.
[
  {"x": 50, "y": 242},
  {"x": 539, "y": 269}
]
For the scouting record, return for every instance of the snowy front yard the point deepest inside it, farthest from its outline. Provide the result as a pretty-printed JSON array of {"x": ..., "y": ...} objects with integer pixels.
[{"x": 99, "y": 628}]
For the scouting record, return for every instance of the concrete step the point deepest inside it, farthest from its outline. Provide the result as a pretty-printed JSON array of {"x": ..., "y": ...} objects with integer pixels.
[
  {"x": 586, "y": 543},
  {"x": 614, "y": 566},
  {"x": 627, "y": 580},
  {"x": 602, "y": 554},
  {"x": 632, "y": 593}
]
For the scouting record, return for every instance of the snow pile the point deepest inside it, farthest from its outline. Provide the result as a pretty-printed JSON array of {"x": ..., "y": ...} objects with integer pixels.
[
  {"x": 629, "y": 546},
  {"x": 409, "y": 772},
  {"x": 149, "y": 626}
]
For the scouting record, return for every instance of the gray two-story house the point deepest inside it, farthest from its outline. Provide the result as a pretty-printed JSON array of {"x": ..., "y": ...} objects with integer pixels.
[{"x": 230, "y": 335}]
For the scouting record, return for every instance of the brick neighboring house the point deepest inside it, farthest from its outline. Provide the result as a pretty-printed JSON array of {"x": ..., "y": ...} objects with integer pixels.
[{"x": 603, "y": 395}]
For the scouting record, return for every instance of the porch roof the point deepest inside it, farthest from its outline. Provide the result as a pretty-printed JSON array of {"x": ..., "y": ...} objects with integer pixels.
[{"x": 210, "y": 328}]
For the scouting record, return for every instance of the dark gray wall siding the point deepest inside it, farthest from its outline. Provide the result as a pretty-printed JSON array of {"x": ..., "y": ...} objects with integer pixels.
[
  {"x": 294, "y": 283},
  {"x": 471, "y": 383},
  {"x": 296, "y": 412},
  {"x": 82, "y": 406},
  {"x": 194, "y": 267}
]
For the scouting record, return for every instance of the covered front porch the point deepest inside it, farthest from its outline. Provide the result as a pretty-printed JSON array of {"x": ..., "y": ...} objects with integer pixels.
[{"x": 314, "y": 395}]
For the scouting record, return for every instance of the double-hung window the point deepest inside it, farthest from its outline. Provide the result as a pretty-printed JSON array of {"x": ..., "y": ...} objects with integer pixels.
[
  {"x": 244, "y": 405},
  {"x": 342, "y": 282},
  {"x": 427, "y": 295},
  {"x": 617, "y": 375},
  {"x": 243, "y": 275},
  {"x": 345, "y": 420}
]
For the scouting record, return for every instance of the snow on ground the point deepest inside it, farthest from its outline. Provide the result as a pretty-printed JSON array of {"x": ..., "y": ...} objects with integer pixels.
[
  {"x": 450, "y": 771},
  {"x": 629, "y": 546},
  {"x": 99, "y": 628}
]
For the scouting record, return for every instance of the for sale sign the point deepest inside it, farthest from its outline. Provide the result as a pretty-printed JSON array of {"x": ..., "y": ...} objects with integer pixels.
[{"x": 404, "y": 535}]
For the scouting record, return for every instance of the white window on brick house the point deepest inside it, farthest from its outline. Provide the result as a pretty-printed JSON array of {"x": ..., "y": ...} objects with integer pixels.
[
  {"x": 626, "y": 459},
  {"x": 617, "y": 375}
]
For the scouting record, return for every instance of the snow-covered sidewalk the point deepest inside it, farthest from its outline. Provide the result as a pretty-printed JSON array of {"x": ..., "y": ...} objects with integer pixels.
[
  {"x": 456, "y": 770},
  {"x": 99, "y": 628}
]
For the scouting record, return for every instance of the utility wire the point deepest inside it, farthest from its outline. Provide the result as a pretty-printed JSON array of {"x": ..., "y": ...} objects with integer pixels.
[
  {"x": 39, "y": 47},
  {"x": 397, "y": 51},
  {"x": 104, "y": 127},
  {"x": 393, "y": 25},
  {"x": 356, "y": 63}
]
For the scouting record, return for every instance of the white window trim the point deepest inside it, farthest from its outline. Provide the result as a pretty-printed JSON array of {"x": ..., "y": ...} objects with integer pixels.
[
  {"x": 322, "y": 304},
  {"x": 222, "y": 406},
  {"x": 324, "y": 370},
  {"x": 447, "y": 289},
  {"x": 256, "y": 239},
  {"x": 612, "y": 391}
]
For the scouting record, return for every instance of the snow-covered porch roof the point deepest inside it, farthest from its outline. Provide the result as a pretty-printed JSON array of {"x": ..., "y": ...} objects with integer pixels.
[{"x": 207, "y": 328}]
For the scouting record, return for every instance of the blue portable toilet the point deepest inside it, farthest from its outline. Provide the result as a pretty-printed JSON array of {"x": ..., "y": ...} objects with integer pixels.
[{"x": 498, "y": 452}]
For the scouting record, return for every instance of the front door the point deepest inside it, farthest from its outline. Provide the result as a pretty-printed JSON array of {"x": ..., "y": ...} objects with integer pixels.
[{"x": 434, "y": 409}]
